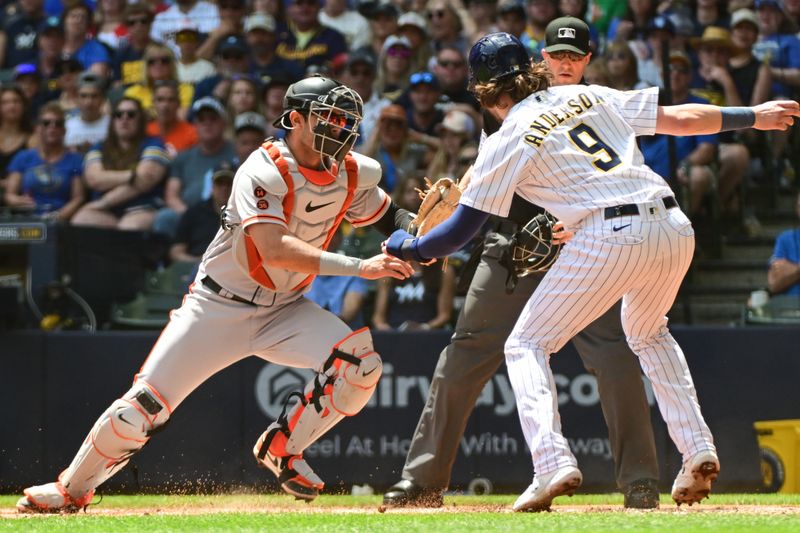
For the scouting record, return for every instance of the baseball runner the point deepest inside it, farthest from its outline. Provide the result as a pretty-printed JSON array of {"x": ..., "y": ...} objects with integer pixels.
[
  {"x": 572, "y": 150},
  {"x": 476, "y": 349},
  {"x": 288, "y": 199}
]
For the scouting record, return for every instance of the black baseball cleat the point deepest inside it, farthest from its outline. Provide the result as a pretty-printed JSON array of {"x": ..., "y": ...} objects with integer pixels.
[
  {"x": 641, "y": 494},
  {"x": 406, "y": 493}
]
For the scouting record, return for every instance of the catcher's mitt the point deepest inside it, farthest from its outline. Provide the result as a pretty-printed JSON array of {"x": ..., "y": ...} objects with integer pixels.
[
  {"x": 439, "y": 201},
  {"x": 532, "y": 248}
]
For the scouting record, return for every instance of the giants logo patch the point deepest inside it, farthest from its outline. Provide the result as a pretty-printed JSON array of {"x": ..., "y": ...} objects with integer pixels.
[
  {"x": 262, "y": 204},
  {"x": 259, "y": 192}
]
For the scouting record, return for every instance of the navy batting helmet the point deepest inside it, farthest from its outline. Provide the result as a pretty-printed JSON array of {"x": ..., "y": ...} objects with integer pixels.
[{"x": 496, "y": 56}]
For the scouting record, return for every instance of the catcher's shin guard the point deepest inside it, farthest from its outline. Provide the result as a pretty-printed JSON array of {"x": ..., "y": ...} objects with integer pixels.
[
  {"x": 341, "y": 388},
  {"x": 118, "y": 434}
]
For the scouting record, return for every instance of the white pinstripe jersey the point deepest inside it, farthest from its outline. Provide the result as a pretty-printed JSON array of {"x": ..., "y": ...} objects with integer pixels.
[
  {"x": 310, "y": 205},
  {"x": 570, "y": 149}
]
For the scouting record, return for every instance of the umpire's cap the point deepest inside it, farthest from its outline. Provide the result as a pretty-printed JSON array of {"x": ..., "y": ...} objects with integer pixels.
[
  {"x": 567, "y": 34},
  {"x": 497, "y": 56}
]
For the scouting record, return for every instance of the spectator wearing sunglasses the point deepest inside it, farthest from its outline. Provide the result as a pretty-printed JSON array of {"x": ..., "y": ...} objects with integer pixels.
[
  {"x": 191, "y": 68},
  {"x": 424, "y": 116},
  {"x": 451, "y": 71},
  {"x": 93, "y": 56},
  {"x": 128, "y": 63},
  {"x": 390, "y": 144},
  {"x": 166, "y": 24},
  {"x": 394, "y": 67},
  {"x": 160, "y": 65},
  {"x": 232, "y": 62},
  {"x": 125, "y": 173},
  {"x": 449, "y": 25},
  {"x": 307, "y": 43},
  {"x": 46, "y": 180},
  {"x": 414, "y": 27}
]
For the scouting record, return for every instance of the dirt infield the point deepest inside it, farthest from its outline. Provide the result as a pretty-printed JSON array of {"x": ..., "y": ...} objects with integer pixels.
[{"x": 190, "y": 510}]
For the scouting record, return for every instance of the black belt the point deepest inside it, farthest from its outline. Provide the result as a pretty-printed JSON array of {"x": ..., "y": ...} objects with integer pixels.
[
  {"x": 213, "y": 286},
  {"x": 633, "y": 209}
]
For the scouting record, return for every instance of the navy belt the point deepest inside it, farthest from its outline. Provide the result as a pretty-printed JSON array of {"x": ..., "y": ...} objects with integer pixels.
[
  {"x": 633, "y": 209},
  {"x": 213, "y": 286}
]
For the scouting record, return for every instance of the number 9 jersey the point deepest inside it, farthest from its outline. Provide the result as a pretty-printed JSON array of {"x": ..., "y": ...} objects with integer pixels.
[{"x": 592, "y": 160}]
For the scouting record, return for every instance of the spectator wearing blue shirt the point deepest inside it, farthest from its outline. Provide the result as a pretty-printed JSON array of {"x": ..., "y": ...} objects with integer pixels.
[
  {"x": 695, "y": 153},
  {"x": 46, "y": 181},
  {"x": 306, "y": 42},
  {"x": 125, "y": 173},
  {"x": 777, "y": 48},
  {"x": 783, "y": 276},
  {"x": 92, "y": 55}
]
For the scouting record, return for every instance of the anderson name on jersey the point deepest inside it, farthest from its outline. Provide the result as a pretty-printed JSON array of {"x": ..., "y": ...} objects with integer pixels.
[{"x": 591, "y": 162}]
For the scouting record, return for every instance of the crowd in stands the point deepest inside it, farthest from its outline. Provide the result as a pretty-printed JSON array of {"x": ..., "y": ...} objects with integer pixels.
[{"x": 135, "y": 115}]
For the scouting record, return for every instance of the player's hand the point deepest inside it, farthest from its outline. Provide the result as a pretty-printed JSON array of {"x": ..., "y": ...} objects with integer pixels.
[
  {"x": 561, "y": 234},
  {"x": 383, "y": 266},
  {"x": 776, "y": 115}
]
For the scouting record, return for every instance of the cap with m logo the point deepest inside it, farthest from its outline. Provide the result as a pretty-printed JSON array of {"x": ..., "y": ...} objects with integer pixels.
[{"x": 567, "y": 34}]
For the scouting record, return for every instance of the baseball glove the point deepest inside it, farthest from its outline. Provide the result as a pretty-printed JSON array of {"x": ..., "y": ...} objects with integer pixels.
[
  {"x": 439, "y": 201},
  {"x": 532, "y": 248}
]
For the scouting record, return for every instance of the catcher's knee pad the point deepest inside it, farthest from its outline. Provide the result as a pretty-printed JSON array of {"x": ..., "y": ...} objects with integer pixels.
[
  {"x": 118, "y": 434},
  {"x": 342, "y": 388}
]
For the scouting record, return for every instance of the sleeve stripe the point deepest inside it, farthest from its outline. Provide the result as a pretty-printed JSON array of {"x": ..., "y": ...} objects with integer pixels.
[{"x": 256, "y": 218}]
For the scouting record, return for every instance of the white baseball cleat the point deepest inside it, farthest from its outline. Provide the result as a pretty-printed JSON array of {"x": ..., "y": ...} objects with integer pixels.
[
  {"x": 51, "y": 498},
  {"x": 540, "y": 494},
  {"x": 293, "y": 473},
  {"x": 693, "y": 482}
]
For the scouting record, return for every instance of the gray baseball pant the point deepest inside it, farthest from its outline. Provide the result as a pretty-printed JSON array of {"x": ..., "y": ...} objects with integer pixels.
[{"x": 476, "y": 352}]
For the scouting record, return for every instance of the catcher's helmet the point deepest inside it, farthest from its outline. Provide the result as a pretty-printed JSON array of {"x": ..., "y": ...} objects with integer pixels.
[
  {"x": 337, "y": 108},
  {"x": 533, "y": 249},
  {"x": 496, "y": 56}
]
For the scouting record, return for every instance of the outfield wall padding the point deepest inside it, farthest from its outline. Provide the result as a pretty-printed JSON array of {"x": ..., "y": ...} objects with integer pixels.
[{"x": 54, "y": 385}]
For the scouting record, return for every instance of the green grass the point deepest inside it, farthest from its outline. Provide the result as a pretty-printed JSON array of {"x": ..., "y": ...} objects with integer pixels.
[{"x": 348, "y": 513}]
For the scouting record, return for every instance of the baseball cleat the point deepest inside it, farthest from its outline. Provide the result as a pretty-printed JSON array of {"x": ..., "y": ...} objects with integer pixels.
[
  {"x": 51, "y": 498},
  {"x": 293, "y": 473},
  {"x": 540, "y": 494},
  {"x": 693, "y": 482},
  {"x": 406, "y": 493}
]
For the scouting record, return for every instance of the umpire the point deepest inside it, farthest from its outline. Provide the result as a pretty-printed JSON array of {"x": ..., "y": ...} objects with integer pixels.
[{"x": 475, "y": 351}]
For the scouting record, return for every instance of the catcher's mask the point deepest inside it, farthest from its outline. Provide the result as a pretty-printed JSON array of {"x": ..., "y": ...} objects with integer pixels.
[
  {"x": 337, "y": 110},
  {"x": 533, "y": 249}
]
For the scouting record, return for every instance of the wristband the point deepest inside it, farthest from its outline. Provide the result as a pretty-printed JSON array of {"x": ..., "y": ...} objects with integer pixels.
[
  {"x": 331, "y": 264},
  {"x": 737, "y": 118}
]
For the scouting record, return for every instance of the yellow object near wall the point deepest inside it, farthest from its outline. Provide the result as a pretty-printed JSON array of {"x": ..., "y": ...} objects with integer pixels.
[{"x": 779, "y": 444}]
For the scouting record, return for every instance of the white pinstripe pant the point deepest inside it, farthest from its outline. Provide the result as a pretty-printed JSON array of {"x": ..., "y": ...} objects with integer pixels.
[{"x": 643, "y": 262}]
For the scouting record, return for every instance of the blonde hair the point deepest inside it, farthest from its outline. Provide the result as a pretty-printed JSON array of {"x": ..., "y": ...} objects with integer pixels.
[{"x": 518, "y": 86}]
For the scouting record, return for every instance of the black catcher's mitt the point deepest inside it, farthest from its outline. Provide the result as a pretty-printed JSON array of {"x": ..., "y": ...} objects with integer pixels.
[{"x": 532, "y": 248}]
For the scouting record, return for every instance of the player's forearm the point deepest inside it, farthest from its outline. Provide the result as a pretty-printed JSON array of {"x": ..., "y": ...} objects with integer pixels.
[
  {"x": 452, "y": 234},
  {"x": 702, "y": 119},
  {"x": 781, "y": 277}
]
